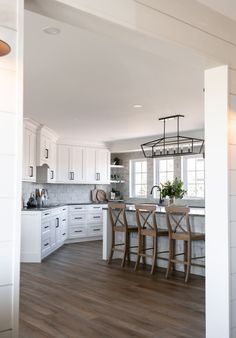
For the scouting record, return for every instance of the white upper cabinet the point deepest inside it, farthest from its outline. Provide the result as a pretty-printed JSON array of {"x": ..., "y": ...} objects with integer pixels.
[
  {"x": 103, "y": 166},
  {"x": 97, "y": 166},
  {"x": 70, "y": 164},
  {"x": 29, "y": 152},
  {"x": 46, "y": 147}
]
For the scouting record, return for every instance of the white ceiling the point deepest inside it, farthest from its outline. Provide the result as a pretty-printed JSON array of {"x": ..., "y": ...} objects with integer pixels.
[
  {"x": 225, "y": 7},
  {"x": 84, "y": 85}
]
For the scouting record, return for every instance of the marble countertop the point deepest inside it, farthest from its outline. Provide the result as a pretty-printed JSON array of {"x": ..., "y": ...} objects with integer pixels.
[{"x": 49, "y": 207}]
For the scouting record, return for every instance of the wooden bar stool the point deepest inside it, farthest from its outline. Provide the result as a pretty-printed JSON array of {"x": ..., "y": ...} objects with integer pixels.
[
  {"x": 180, "y": 230},
  {"x": 147, "y": 227},
  {"x": 120, "y": 225}
]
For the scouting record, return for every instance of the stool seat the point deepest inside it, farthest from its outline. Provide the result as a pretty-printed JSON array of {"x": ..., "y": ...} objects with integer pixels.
[{"x": 195, "y": 236}]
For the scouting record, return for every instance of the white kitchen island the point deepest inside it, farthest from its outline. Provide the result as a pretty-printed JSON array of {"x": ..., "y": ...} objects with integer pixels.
[{"x": 197, "y": 221}]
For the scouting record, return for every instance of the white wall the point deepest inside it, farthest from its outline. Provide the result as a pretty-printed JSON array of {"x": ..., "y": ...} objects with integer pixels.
[
  {"x": 232, "y": 197},
  {"x": 10, "y": 164},
  {"x": 216, "y": 194}
]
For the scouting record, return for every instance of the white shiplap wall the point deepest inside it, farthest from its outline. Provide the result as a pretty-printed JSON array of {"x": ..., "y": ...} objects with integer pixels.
[
  {"x": 10, "y": 159},
  {"x": 232, "y": 196}
]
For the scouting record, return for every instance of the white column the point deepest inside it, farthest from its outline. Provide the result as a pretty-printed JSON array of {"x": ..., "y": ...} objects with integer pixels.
[
  {"x": 10, "y": 164},
  {"x": 217, "y": 203}
]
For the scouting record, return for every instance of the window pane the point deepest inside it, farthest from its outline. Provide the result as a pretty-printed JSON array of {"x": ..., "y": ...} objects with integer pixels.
[
  {"x": 200, "y": 164},
  {"x": 162, "y": 165},
  {"x": 170, "y": 165},
  {"x": 200, "y": 175},
  {"x": 138, "y": 178},
  {"x": 144, "y": 178},
  {"x": 191, "y": 164},
  {"x": 191, "y": 190},
  {"x": 170, "y": 176},
  {"x": 163, "y": 177},
  {"x": 191, "y": 177},
  {"x": 144, "y": 166},
  {"x": 200, "y": 190},
  {"x": 138, "y": 167}
]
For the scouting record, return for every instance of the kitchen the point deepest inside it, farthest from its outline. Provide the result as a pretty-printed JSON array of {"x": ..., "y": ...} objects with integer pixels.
[
  {"x": 68, "y": 179},
  {"x": 117, "y": 128}
]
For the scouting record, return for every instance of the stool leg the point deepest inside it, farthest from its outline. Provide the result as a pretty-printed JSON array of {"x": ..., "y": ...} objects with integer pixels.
[
  {"x": 189, "y": 253},
  {"x": 185, "y": 255},
  {"x": 143, "y": 249},
  {"x": 170, "y": 257},
  {"x": 154, "y": 258},
  {"x": 173, "y": 254},
  {"x": 128, "y": 247},
  {"x": 125, "y": 250},
  {"x": 139, "y": 251},
  {"x": 112, "y": 246}
]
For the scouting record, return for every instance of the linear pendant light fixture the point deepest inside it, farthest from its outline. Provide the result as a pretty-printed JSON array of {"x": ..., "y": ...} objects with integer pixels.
[
  {"x": 169, "y": 146},
  {"x": 4, "y": 48}
]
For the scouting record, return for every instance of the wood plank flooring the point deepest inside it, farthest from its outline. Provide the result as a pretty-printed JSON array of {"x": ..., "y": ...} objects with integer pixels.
[{"x": 74, "y": 294}]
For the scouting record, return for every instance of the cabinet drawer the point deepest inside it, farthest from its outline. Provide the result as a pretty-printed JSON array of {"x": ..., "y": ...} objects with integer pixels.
[
  {"x": 46, "y": 224},
  {"x": 75, "y": 232},
  {"x": 95, "y": 231},
  {"x": 95, "y": 207},
  {"x": 64, "y": 234},
  {"x": 77, "y": 218},
  {"x": 46, "y": 214},
  {"x": 46, "y": 245},
  {"x": 95, "y": 217},
  {"x": 73, "y": 208}
]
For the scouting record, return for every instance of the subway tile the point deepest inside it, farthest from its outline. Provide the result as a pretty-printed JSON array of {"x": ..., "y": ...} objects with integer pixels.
[
  {"x": 5, "y": 263},
  {"x": 6, "y": 307}
]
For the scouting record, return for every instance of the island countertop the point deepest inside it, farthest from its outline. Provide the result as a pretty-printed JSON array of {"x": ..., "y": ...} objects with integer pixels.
[{"x": 194, "y": 211}]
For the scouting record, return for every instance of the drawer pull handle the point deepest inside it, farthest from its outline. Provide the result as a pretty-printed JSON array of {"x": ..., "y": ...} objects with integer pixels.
[
  {"x": 63, "y": 209},
  {"x": 78, "y": 230},
  {"x": 96, "y": 229},
  {"x": 47, "y": 226},
  {"x": 96, "y": 207},
  {"x": 64, "y": 220},
  {"x": 78, "y": 208},
  {"x": 46, "y": 244},
  {"x": 46, "y": 214},
  {"x": 64, "y": 234},
  {"x": 78, "y": 217},
  {"x": 96, "y": 216}
]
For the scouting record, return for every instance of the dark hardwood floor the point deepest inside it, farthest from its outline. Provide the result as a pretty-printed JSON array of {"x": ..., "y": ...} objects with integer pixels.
[{"x": 73, "y": 293}]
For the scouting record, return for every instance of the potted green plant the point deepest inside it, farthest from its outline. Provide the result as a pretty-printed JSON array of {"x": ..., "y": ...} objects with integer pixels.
[{"x": 173, "y": 190}]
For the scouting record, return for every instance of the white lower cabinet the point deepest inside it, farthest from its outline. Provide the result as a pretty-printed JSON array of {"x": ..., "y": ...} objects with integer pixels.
[
  {"x": 42, "y": 233},
  {"x": 85, "y": 221},
  {"x": 45, "y": 231}
]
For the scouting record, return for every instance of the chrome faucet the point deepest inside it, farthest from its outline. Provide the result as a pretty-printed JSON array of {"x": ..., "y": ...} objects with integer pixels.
[{"x": 159, "y": 189}]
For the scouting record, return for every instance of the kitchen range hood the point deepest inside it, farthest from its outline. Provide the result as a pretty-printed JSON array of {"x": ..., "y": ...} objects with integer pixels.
[{"x": 169, "y": 146}]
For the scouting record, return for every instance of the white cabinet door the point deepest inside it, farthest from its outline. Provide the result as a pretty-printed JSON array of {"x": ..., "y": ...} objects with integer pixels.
[
  {"x": 90, "y": 174},
  {"x": 63, "y": 174},
  {"x": 29, "y": 156},
  {"x": 103, "y": 165},
  {"x": 76, "y": 163}
]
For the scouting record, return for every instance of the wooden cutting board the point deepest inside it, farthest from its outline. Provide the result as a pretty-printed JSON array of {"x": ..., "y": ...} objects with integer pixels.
[
  {"x": 101, "y": 196},
  {"x": 94, "y": 195}
]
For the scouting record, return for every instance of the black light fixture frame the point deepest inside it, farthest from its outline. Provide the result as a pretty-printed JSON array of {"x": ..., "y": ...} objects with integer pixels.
[{"x": 181, "y": 145}]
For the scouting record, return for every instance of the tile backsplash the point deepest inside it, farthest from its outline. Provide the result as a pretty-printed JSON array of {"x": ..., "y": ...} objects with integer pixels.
[{"x": 63, "y": 193}]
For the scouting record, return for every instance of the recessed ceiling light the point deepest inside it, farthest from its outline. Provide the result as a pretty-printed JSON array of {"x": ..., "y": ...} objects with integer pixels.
[
  {"x": 52, "y": 30},
  {"x": 137, "y": 106}
]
